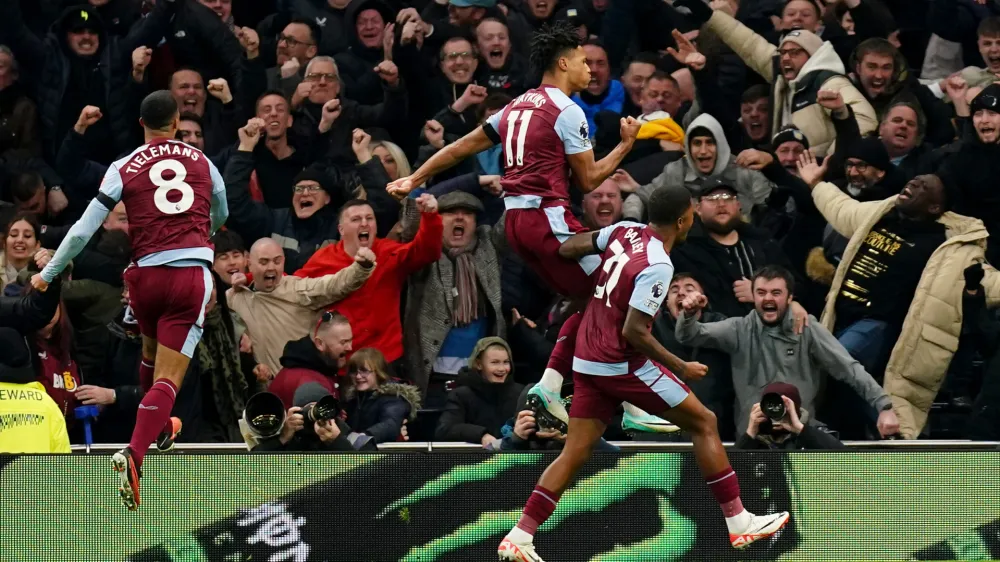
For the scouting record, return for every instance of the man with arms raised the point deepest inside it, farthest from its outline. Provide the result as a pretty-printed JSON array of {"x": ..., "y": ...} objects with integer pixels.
[{"x": 175, "y": 200}]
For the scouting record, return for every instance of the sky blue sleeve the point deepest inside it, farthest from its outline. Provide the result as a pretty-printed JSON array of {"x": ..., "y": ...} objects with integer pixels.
[
  {"x": 220, "y": 207},
  {"x": 494, "y": 120},
  {"x": 76, "y": 239},
  {"x": 571, "y": 126},
  {"x": 651, "y": 288}
]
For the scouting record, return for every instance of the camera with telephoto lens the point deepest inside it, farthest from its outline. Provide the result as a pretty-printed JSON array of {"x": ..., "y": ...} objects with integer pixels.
[
  {"x": 264, "y": 414},
  {"x": 324, "y": 409},
  {"x": 773, "y": 406}
]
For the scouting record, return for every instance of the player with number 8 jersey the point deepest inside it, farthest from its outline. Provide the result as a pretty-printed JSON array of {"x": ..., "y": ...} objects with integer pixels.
[{"x": 175, "y": 200}]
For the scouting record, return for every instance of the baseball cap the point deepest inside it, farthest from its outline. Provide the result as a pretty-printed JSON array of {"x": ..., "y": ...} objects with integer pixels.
[
  {"x": 308, "y": 393},
  {"x": 803, "y": 38},
  {"x": 80, "y": 19},
  {"x": 715, "y": 184}
]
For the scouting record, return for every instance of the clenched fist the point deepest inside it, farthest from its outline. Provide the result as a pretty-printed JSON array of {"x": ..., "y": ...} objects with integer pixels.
[
  {"x": 629, "y": 129},
  {"x": 290, "y": 68},
  {"x": 88, "y": 117},
  {"x": 219, "y": 89},
  {"x": 249, "y": 40},
  {"x": 427, "y": 203},
  {"x": 250, "y": 134},
  {"x": 388, "y": 72},
  {"x": 365, "y": 257},
  {"x": 140, "y": 60},
  {"x": 331, "y": 110}
]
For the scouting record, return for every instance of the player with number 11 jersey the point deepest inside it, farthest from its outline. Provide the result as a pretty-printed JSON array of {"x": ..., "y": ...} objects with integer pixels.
[{"x": 175, "y": 200}]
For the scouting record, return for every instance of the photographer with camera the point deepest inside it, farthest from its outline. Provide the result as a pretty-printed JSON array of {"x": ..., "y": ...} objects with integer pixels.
[
  {"x": 778, "y": 421},
  {"x": 312, "y": 425}
]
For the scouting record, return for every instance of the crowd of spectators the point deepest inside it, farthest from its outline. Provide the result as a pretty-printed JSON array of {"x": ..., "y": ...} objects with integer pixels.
[{"x": 842, "y": 155}]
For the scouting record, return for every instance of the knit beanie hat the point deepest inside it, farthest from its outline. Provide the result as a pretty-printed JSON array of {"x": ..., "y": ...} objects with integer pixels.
[
  {"x": 989, "y": 99},
  {"x": 803, "y": 38},
  {"x": 318, "y": 175},
  {"x": 789, "y": 133},
  {"x": 871, "y": 151}
]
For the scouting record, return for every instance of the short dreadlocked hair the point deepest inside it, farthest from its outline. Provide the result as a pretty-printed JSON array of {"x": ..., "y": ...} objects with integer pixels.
[{"x": 551, "y": 42}]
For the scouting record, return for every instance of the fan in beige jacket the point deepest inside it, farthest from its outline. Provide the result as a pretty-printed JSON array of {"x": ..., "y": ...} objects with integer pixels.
[
  {"x": 796, "y": 80},
  {"x": 930, "y": 332},
  {"x": 279, "y": 308}
]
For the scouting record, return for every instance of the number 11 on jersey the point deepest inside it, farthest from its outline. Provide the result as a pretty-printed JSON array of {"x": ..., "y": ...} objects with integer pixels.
[{"x": 522, "y": 132}]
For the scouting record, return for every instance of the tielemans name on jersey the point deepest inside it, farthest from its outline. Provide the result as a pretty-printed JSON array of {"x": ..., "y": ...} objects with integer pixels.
[{"x": 157, "y": 150}]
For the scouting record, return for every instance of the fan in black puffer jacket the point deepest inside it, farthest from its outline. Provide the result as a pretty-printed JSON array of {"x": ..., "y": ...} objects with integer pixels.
[
  {"x": 485, "y": 399},
  {"x": 66, "y": 82}
]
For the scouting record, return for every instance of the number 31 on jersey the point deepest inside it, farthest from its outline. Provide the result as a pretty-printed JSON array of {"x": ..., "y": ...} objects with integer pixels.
[{"x": 613, "y": 267}]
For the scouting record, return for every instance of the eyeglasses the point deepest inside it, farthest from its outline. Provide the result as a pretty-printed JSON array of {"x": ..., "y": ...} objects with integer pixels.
[
  {"x": 464, "y": 55},
  {"x": 318, "y": 76},
  {"x": 292, "y": 42},
  {"x": 861, "y": 167},
  {"x": 363, "y": 372},
  {"x": 300, "y": 189},
  {"x": 791, "y": 52},
  {"x": 723, "y": 197}
]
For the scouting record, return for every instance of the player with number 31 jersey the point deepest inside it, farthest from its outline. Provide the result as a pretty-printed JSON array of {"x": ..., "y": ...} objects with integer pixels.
[{"x": 175, "y": 200}]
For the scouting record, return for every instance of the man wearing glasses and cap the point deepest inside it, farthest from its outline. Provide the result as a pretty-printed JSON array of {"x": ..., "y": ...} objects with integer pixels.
[{"x": 76, "y": 65}]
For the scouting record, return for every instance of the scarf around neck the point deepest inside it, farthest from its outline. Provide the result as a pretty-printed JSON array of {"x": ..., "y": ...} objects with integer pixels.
[{"x": 466, "y": 303}]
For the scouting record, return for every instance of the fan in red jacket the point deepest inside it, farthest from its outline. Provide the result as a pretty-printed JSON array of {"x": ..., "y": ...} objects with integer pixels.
[{"x": 373, "y": 310}]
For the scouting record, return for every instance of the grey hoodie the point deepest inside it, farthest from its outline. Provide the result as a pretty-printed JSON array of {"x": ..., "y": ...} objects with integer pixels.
[
  {"x": 762, "y": 354},
  {"x": 753, "y": 188}
]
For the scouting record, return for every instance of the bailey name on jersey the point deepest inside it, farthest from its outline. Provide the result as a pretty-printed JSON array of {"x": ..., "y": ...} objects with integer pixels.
[{"x": 163, "y": 149}]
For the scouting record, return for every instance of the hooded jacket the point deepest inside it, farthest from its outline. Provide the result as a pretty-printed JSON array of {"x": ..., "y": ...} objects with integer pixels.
[
  {"x": 302, "y": 363},
  {"x": 381, "y": 412},
  {"x": 795, "y": 102},
  {"x": 356, "y": 65},
  {"x": 763, "y": 354},
  {"x": 930, "y": 332},
  {"x": 973, "y": 170},
  {"x": 476, "y": 408},
  {"x": 752, "y": 187},
  {"x": 51, "y": 63}
]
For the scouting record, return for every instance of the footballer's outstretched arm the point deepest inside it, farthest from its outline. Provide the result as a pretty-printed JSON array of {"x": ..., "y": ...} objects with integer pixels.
[
  {"x": 592, "y": 242},
  {"x": 472, "y": 143},
  {"x": 84, "y": 229}
]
